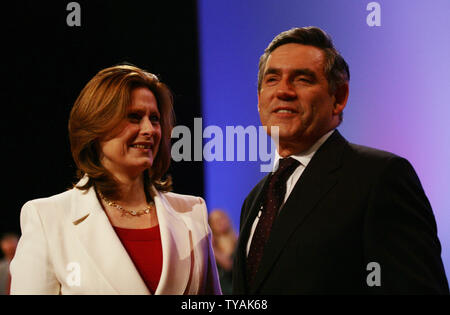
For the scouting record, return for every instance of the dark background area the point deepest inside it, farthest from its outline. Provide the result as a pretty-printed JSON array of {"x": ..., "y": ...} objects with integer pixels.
[{"x": 46, "y": 64}]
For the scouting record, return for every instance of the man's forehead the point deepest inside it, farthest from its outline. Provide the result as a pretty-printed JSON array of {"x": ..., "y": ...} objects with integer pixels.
[{"x": 296, "y": 56}]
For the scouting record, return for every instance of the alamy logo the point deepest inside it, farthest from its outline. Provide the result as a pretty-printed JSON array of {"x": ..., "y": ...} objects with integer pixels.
[
  {"x": 74, "y": 17},
  {"x": 235, "y": 144},
  {"x": 374, "y": 17},
  {"x": 73, "y": 279},
  {"x": 374, "y": 277}
]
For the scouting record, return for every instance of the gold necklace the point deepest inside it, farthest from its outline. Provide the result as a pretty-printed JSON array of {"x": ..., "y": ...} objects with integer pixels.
[{"x": 125, "y": 211}]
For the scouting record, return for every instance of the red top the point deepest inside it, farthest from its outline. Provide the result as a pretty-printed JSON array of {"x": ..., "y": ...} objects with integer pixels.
[{"x": 145, "y": 250}]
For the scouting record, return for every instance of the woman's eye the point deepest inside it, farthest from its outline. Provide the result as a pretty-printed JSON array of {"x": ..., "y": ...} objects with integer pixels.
[
  {"x": 134, "y": 117},
  {"x": 154, "y": 118}
]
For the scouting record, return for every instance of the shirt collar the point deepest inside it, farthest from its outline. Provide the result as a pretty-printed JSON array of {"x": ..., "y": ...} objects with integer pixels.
[{"x": 304, "y": 157}]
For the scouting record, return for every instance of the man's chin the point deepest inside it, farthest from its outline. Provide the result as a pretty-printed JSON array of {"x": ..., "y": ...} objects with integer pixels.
[{"x": 284, "y": 133}]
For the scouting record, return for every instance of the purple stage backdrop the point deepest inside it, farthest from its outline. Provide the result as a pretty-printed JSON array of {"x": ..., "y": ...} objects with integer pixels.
[{"x": 398, "y": 53}]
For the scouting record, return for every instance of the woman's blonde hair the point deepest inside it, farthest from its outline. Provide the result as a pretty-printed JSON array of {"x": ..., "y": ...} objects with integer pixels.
[{"x": 100, "y": 108}]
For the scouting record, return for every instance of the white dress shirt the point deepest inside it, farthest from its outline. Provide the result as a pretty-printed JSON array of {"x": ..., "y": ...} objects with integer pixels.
[{"x": 304, "y": 158}]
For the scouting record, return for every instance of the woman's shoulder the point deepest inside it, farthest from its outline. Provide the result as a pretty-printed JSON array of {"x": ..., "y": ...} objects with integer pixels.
[
  {"x": 183, "y": 202},
  {"x": 191, "y": 209},
  {"x": 46, "y": 205},
  {"x": 58, "y": 198}
]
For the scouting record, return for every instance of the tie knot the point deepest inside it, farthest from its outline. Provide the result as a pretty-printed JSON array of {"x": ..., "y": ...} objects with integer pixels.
[{"x": 285, "y": 168}]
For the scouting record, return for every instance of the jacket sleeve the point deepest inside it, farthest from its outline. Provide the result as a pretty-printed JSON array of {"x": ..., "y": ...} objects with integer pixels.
[
  {"x": 31, "y": 269},
  {"x": 400, "y": 236},
  {"x": 212, "y": 280}
]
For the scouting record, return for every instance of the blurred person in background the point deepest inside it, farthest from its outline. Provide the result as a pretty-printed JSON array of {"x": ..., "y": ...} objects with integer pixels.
[
  {"x": 8, "y": 244},
  {"x": 224, "y": 243}
]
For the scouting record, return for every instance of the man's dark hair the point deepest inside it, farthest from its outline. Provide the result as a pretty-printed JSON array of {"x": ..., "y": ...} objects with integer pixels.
[{"x": 336, "y": 69}]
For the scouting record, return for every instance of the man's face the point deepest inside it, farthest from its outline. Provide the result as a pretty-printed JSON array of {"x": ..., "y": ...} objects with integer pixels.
[{"x": 295, "y": 96}]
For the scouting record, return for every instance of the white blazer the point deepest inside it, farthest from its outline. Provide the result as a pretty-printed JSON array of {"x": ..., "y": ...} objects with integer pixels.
[{"x": 68, "y": 246}]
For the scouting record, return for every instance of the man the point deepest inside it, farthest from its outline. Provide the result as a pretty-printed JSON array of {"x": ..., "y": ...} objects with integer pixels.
[{"x": 334, "y": 217}]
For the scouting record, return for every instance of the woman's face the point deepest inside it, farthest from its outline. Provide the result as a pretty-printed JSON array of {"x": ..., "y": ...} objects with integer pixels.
[{"x": 132, "y": 147}]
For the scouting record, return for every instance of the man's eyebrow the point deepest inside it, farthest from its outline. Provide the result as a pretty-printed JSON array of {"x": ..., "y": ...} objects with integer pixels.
[
  {"x": 305, "y": 71},
  {"x": 295, "y": 72},
  {"x": 272, "y": 71}
]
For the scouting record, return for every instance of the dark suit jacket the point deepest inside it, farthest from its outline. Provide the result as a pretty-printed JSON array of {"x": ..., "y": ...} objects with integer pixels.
[{"x": 352, "y": 205}]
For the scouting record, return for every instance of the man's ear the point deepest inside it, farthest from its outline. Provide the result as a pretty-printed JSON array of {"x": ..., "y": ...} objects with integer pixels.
[
  {"x": 341, "y": 97},
  {"x": 258, "y": 101}
]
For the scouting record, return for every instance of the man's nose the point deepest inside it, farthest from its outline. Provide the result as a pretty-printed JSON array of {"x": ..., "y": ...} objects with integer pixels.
[{"x": 285, "y": 90}]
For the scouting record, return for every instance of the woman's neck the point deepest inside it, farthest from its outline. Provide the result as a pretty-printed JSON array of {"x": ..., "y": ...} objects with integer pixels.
[{"x": 131, "y": 191}]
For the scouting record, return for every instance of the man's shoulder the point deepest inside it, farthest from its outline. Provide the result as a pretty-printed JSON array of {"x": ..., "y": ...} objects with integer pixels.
[
  {"x": 370, "y": 153},
  {"x": 372, "y": 163},
  {"x": 337, "y": 149},
  {"x": 352, "y": 150}
]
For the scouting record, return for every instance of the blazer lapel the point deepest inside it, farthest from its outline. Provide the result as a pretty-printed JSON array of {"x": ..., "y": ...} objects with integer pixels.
[
  {"x": 316, "y": 180},
  {"x": 176, "y": 246},
  {"x": 101, "y": 243},
  {"x": 254, "y": 208},
  {"x": 250, "y": 210}
]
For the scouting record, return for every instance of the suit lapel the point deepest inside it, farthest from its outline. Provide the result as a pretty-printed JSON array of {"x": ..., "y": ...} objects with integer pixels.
[
  {"x": 315, "y": 182},
  {"x": 254, "y": 208},
  {"x": 101, "y": 243},
  {"x": 250, "y": 213}
]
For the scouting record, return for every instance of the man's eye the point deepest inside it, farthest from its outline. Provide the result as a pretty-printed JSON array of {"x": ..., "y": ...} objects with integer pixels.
[
  {"x": 270, "y": 79},
  {"x": 303, "y": 79}
]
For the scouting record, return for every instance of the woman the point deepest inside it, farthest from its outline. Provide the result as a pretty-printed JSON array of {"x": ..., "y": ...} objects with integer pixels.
[{"x": 119, "y": 230}]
